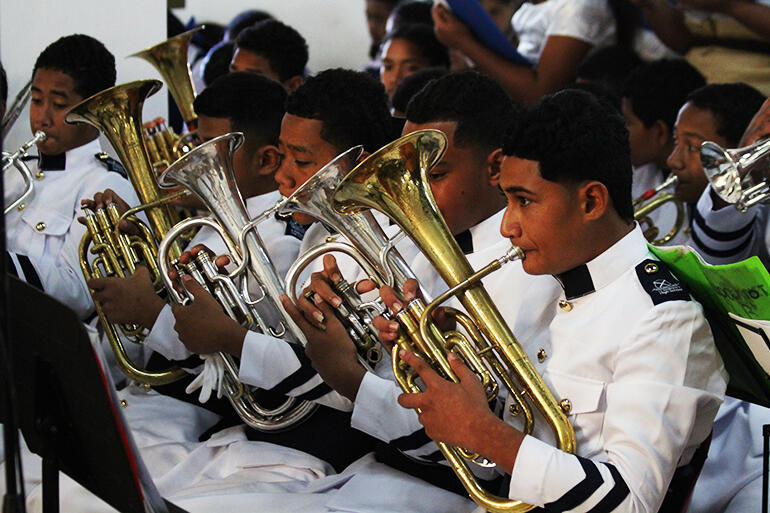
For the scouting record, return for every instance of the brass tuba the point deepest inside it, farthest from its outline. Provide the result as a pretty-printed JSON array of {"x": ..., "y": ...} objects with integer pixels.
[
  {"x": 116, "y": 112},
  {"x": 739, "y": 176},
  {"x": 207, "y": 172},
  {"x": 652, "y": 200},
  {"x": 394, "y": 181}
]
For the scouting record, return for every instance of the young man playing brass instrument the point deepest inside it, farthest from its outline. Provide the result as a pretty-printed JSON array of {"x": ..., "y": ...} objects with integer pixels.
[{"x": 567, "y": 179}]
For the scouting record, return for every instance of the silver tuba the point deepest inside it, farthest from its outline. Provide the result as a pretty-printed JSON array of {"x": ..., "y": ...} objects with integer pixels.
[
  {"x": 15, "y": 159},
  {"x": 740, "y": 176},
  {"x": 369, "y": 247},
  {"x": 207, "y": 172}
]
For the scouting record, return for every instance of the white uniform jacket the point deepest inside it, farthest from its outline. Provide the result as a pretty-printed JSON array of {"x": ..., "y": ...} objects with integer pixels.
[
  {"x": 726, "y": 235},
  {"x": 43, "y": 236},
  {"x": 635, "y": 357},
  {"x": 281, "y": 246}
]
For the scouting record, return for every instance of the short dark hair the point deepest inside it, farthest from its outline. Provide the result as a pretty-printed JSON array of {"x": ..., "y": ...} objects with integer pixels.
[
  {"x": 217, "y": 61},
  {"x": 411, "y": 11},
  {"x": 657, "y": 90},
  {"x": 83, "y": 58},
  {"x": 352, "y": 106},
  {"x": 283, "y": 47},
  {"x": 609, "y": 66},
  {"x": 421, "y": 36},
  {"x": 575, "y": 137},
  {"x": 732, "y": 105},
  {"x": 244, "y": 20},
  {"x": 3, "y": 84},
  {"x": 411, "y": 84},
  {"x": 477, "y": 103},
  {"x": 253, "y": 103}
]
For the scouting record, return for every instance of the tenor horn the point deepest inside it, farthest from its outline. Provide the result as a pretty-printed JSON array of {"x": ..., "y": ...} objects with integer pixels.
[
  {"x": 394, "y": 181},
  {"x": 207, "y": 172},
  {"x": 652, "y": 200},
  {"x": 117, "y": 112},
  {"x": 738, "y": 176}
]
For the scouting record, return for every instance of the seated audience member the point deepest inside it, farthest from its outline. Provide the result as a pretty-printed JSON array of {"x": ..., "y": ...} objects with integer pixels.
[
  {"x": 501, "y": 12},
  {"x": 718, "y": 113},
  {"x": 554, "y": 35},
  {"x": 408, "y": 49},
  {"x": 727, "y": 41},
  {"x": 575, "y": 222},
  {"x": 330, "y": 113},
  {"x": 410, "y": 86},
  {"x": 609, "y": 67},
  {"x": 43, "y": 233},
  {"x": 377, "y": 12},
  {"x": 407, "y": 12},
  {"x": 217, "y": 62},
  {"x": 652, "y": 96},
  {"x": 242, "y": 21},
  {"x": 272, "y": 49}
]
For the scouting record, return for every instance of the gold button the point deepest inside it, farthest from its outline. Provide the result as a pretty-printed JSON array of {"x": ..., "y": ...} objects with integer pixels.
[
  {"x": 651, "y": 268},
  {"x": 147, "y": 387},
  {"x": 566, "y": 405},
  {"x": 21, "y": 207},
  {"x": 40, "y": 226},
  {"x": 39, "y": 175},
  {"x": 541, "y": 355},
  {"x": 123, "y": 403},
  {"x": 515, "y": 409},
  {"x": 565, "y": 305}
]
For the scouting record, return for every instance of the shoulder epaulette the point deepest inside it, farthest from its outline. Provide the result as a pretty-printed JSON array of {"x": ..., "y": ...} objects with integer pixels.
[
  {"x": 111, "y": 164},
  {"x": 658, "y": 281}
]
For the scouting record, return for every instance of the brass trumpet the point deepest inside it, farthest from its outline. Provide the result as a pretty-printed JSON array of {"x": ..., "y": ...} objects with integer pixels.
[
  {"x": 652, "y": 200},
  {"x": 739, "y": 176},
  {"x": 207, "y": 172},
  {"x": 394, "y": 181},
  {"x": 117, "y": 112},
  {"x": 15, "y": 159}
]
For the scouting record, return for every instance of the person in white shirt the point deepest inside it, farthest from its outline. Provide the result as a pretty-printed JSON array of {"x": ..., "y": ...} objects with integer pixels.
[
  {"x": 43, "y": 233},
  {"x": 619, "y": 312}
]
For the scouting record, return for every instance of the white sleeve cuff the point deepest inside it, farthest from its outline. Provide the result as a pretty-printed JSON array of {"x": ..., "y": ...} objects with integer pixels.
[
  {"x": 163, "y": 339},
  {"x": 266, "y": 360},
  {"x": 727, "y": 219},
  {"x": 376, "y": 410}
]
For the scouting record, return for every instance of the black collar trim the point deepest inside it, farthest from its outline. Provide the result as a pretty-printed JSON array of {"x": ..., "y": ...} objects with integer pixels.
[
  {"x": 53, "y": 162},
  {"x": 576, "y": 282},
  {"x": 465, "y": 241}
]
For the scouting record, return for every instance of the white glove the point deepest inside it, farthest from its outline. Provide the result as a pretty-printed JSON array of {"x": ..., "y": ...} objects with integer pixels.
[{"x": 209, "y": 379}]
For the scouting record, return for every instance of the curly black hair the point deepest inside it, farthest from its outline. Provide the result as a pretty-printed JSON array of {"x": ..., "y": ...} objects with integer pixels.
[
  {"x": 575, "y": 137},
  {"x": 83, "y": 58},
  {"x": 477, "y": 103},
  {"x": 412, "y": 84},
  {"x": 421, "y": 36},
  {"x": 217, "y": 61},
  {"x": 253, "y": 103},
  {"x": 411, "y": 11},
  {"x": 352, "y": 105},
  {"x": 244, "y": 20},
  {"x": 283, "y": 47},
  {"x": 732, "y": 105},
  {"x": 657, "y": 90}
]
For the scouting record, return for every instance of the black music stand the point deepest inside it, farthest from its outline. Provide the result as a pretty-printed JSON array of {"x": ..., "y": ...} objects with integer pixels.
[{"x": 67, "y": 408}]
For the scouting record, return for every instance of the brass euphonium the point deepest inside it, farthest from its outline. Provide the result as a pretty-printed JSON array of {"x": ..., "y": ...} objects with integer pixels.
[
  {"x": 169, "y": 58},
  {"x": 394, "y": 181},
  {"x": 739, "y": 176},
  {"x": 652, "y": 200},
  {"x": 207, "y": 172},
  {"x": 368, "y": 246},
  {"x": 117, "y": 112}
]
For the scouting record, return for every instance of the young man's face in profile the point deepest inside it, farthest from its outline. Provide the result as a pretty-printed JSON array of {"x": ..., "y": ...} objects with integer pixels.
[
  {"x": 53, "y": 94},
  {"x": 542, "y": 217},
  {"x": 693, "y": 127},
  {"x": 304, "y": 153}
]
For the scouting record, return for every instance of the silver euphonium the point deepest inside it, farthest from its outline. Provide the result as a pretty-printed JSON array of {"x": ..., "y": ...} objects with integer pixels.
[
  {"x": 369, "y": 247},
  {"x": 739, "y": 176},
  {"x": 15, "y": 159},
  {"x": 207, "y": 172}
]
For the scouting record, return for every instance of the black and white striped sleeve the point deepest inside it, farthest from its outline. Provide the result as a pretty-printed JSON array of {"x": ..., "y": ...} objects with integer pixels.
[
  {"x": 283, "y": 368},
  {"x": 726, "y": 235}
]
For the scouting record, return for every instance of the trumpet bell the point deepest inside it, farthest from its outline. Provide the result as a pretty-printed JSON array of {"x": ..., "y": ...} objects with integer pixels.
[{"x": 738, "y": 176}]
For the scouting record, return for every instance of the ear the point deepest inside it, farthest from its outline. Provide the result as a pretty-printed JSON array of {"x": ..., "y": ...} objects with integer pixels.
[
  {"x": 494, "y": 165},
  {"x": 594, "y": 200},
  {"x": 293, "y": 83},
  {"x": 662, "y": 133},
  {"x": 268, "y": 160}
]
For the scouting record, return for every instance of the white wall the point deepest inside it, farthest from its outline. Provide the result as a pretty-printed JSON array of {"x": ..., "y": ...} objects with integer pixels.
[
  {"x": 335, "y": 30},
  {"x": 125, "y": 27}
]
